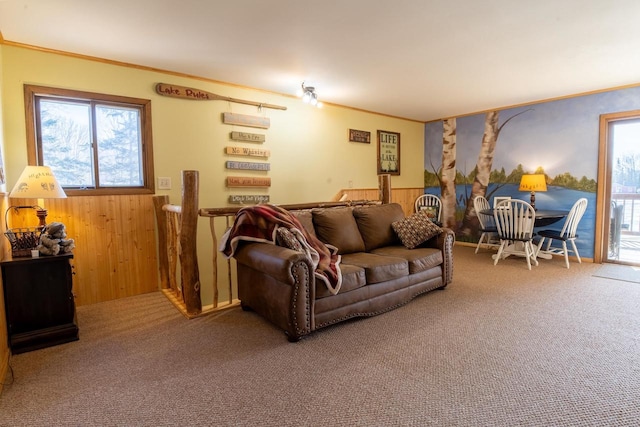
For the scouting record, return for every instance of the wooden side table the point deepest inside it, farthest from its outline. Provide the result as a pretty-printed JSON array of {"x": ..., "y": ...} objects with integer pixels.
[{"x": 39, "y": 302}]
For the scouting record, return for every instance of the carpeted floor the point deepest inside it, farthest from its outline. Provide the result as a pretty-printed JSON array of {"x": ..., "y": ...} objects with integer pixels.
[
  {"x": 625, "y": 273},
  {"x": 501, "y": 346}
]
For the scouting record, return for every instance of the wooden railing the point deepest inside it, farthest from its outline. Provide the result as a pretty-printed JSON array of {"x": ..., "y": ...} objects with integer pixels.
[
  {"x": 177, "y": 227},
  {"x": 177, "y": 242}
]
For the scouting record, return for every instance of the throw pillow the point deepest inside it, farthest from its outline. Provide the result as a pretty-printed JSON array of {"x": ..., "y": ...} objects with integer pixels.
[
  {"x": 284, "y": 237},
  {"x": 415, "y": 229}
]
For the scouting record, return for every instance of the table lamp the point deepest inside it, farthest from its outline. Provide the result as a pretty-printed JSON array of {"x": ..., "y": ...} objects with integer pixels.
[
  {"x": 533, "y": 183},
  {"x": 37, "y": 182}
]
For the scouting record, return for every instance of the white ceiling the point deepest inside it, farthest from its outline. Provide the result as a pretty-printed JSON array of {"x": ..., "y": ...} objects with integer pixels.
[{"x": 417, "y": 59}]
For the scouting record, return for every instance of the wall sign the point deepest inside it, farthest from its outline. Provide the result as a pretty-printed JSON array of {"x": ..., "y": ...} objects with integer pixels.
[
  {"x": 249, "y": 166},
  {"x": 184, "y": 92},
  {"x": 359, "y": 136},
  {"x": 248, "y": 181},
  {"x": 245, "y": 120},
  {"x": 388, "y": 152},
  {"x": 246, "y": 136},
  {"x": 243, "y": 151},
  {"x": 247, "y": 200}
]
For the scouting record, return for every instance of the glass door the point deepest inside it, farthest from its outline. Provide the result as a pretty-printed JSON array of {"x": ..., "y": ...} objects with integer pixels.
[{"x": 623, "y": 184}]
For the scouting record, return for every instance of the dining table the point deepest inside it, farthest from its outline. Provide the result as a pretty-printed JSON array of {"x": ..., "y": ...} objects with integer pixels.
[{"x": 544, "y": 217}]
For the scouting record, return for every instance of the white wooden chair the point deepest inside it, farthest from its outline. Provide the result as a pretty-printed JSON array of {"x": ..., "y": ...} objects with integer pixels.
[
  {"x": 567, "y": 234},
  {"x": 487, "y": 224},
  {"x": 431, "y": 203},
  {"x": 514, "y": 221}
]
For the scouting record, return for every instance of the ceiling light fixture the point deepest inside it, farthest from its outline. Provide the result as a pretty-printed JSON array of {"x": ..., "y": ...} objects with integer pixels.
[{"x": 309, "y": 96}]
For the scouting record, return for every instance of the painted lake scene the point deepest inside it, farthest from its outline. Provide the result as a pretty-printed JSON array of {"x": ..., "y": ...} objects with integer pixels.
[{"x": 555, "y": 198}]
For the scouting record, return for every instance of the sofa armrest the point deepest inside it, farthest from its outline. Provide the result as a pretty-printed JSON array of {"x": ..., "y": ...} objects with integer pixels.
[
  {"x": 278, "y": 283},
  {"x": 444, "y": 241},
  {"x": 273, "y": 260}
]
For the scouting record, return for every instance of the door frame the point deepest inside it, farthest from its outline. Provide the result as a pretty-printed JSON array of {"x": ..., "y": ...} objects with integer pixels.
[{"x": 603, "y": 193}]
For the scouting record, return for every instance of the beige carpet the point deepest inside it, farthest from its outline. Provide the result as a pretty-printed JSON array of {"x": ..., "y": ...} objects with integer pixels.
[
  {"x": 502, "y": 346},
  {"x": 625, "y": 273}
]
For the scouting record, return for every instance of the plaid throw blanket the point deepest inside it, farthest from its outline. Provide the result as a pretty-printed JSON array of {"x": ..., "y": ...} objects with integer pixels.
[{"x": 259, "y": 223}]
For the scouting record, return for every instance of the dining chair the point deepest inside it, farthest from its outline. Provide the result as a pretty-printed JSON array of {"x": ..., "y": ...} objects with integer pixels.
[
  {"x": 430, "y": 203},
  {"x": 487, "y": 224},
  {"x": 567, "y": 234},
  {"x": 514, "y": 223}
]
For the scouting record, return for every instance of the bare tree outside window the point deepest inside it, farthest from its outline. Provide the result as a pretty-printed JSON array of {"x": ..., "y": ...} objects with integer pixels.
[{"x": 95, "y": 144}]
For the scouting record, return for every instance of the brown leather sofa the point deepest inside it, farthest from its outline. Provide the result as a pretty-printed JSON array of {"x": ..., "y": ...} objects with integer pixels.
[{"x": 378, "y": 272}]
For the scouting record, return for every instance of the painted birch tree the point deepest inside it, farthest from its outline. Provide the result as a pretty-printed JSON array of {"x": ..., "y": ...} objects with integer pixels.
[
  {"x": 470, "y": 224},
  {"x": 448, "y": 174},
  {"x": 482, "y": 172}
]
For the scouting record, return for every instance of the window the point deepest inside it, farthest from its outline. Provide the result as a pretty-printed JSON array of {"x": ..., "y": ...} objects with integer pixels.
[{"x": 94, "y": 143}]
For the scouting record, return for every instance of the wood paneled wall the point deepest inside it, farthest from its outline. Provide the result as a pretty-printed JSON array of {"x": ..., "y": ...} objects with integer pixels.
[
  {"x": 115, "y": 254},
  {"x": 4, "y": 345},
  {"x": 406, "y": 197}
]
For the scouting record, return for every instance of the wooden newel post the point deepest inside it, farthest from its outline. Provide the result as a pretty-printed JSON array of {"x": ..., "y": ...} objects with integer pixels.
[
  {"x": 188, "y": 244},
  {"x": 384, "y": 186},
  {"x": 163, "y": 243}
]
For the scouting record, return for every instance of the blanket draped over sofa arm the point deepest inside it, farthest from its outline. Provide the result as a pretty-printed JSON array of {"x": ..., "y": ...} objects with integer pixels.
[{"x": 259, "y": 223}]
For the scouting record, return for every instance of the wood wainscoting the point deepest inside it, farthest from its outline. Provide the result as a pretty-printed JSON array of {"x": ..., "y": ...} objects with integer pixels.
[
  {"x": 406, "y": 197},
  {"x": 115, "y": 253},
  {"x": 4, "y": 342}
]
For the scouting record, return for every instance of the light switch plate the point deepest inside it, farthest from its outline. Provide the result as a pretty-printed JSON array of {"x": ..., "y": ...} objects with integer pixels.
[{"x": 164, "y": 183}]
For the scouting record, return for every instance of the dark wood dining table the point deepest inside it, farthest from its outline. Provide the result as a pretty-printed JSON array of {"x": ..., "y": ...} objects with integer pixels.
[{"x": 544, "y": 217}]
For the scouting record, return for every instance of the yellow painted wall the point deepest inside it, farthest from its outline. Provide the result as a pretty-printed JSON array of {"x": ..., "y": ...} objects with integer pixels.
[{"x": 311, "y": 158}]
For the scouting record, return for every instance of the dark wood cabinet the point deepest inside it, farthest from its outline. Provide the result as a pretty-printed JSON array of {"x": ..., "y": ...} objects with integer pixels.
[{"x": 39, "y": 304}]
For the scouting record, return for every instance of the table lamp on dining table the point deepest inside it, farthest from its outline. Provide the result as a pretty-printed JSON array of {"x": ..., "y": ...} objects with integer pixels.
[
  {"x": 533, "y": 183},
  {"x": 37, "y": 182}
]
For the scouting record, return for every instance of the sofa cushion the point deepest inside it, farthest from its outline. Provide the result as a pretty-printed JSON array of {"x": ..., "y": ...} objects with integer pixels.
[
  {"x": 306, "y": 219},
  {"x": 378, "y": 268},
  {"x": 353, "y": 277},
  {"x": 374, "y": 223},
  {"x": 420, "y": 259},
  {"x": 415, "y": 229},
  {"x": 337, "y": 227}
]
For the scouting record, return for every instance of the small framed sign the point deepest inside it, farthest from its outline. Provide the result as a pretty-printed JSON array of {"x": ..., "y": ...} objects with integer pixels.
[
  {"x": 499, "y": 199},
  {"x": 359, "y": 136},
  {"x": 388, "y": 152}
]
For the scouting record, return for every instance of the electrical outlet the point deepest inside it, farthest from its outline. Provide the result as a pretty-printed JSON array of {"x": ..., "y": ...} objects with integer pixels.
[{"x": 164, "y": 183}]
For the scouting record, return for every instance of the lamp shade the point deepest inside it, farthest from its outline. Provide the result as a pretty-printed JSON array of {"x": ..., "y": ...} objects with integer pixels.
[
  {"x": 37, "y": 182},
  {"x": 536, "y": 182}
]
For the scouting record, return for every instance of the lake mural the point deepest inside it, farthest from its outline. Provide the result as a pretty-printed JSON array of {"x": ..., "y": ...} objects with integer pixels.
[{"x": 488, "y": 153}]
